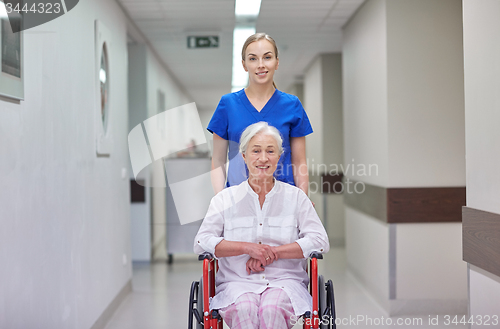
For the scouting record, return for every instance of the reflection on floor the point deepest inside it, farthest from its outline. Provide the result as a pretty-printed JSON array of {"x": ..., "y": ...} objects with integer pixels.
[{"x": 160, "y": 298}]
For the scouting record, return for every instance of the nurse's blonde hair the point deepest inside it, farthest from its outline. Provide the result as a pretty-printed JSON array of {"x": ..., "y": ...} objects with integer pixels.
[{"x": 257, "y": 37}]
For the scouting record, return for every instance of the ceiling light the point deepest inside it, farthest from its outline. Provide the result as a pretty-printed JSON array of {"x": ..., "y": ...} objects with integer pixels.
[
  {"x": 246, "y": 12},
  {"x": 240, "y": 77},
  {"x": 247, "y": 8},
  {"x": 3, "y": 11}
]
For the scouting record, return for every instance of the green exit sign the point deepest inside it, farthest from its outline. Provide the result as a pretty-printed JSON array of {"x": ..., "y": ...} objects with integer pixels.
[{"x": 203, "y": 42}]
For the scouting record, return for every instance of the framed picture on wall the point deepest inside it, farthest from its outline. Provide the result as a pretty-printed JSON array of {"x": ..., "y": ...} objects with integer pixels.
[{"x": 11, "y": 56}]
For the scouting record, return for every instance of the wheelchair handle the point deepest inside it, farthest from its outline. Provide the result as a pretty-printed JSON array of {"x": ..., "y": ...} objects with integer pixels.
[
  {"x": 205, "y": 255},
  {"x": 316, "y": 255}
]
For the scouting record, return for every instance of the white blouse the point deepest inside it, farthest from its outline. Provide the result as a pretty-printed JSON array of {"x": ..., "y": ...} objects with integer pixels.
[{"x": 287, "y": 216}]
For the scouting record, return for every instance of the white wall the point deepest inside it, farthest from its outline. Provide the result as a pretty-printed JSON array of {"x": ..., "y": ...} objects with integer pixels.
[
  {"x": 440, "y": 275},
  {"x": 482, "y": 83},
  {"x": 137, "y": 83},
  {"x": 425, "y": 117},
  {"x": 313, "y": 104},
  {"x": 296, "y": 89},
  {"x": 324, "y": 148},
  {"x": 484, "y": 292},
  {"x": 333, "y": 137},
  {"x": 140, "y": 213},
  {"x": 367, "y": 251},
  {"x": 403, "y": 111},
  {"x": 158, "y": 78},
  {"x": 364, "y": 67},
  {"x": 425, "y": 93},
  {"x": 205, "y": 116},
  {"x": 65, "y": 237},
  {"x": 148, "y": 76},
  {"x": 333, "y": 141}
]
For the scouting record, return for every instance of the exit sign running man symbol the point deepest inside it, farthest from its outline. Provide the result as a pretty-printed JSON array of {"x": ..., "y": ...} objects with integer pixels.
[{"x": 203, "y": 42}]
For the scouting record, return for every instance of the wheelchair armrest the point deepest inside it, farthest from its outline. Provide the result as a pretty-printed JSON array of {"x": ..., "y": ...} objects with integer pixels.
[
  {"x": 205, "y": 255},
  {"x": 316, "y": 255}
]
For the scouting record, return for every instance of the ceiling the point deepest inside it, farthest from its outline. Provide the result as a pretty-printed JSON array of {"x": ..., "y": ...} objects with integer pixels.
[{"x": 302, "y": 29}]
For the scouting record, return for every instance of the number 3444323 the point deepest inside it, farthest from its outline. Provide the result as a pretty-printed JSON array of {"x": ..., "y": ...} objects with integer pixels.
[
  {"x": 481, "y": 320},
  {"x": 38, "y": 8}
]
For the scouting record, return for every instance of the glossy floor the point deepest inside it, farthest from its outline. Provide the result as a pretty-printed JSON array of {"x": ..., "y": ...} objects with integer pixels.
[{"x": 160, "y": 298}]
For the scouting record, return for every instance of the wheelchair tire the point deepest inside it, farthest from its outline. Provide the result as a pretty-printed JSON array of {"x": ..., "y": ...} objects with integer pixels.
[
  {"x": 331, "y": 303},
  {"x": 199, "y": 304},
  {"x": 322, "y": 303},
  {"x": 194, "y": 289}
]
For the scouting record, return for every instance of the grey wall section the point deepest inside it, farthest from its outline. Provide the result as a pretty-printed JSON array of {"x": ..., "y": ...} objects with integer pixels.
[
  {"x": 333, "y": 134},
  {"x": 297, "y": 89},
  {"x": 364, "y": 67},
  {"x": 482, "y": 86},
  {"x": 404, "y": 113},
  {"x": 313, "y": 104},
  {"x": 159, "y": 79},
  {"x": 482, "y": 115},
  {"x": 365, "y": 91},
  {"x": 147, "y": 78},
  {"x": 137, "y": 84},
  {"x": 325, "y": 148},
  {"x": 333, "y": 144},
  {"x": 65, "y": 218},
  {"x": 425, "y": 93},
  {"x": 140, "y": 213}
]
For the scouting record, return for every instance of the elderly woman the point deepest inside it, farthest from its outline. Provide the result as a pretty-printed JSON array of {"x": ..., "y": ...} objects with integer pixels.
[{"x": 261, "y": 231}]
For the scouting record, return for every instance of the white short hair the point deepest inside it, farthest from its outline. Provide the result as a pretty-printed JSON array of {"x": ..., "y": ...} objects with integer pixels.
[{"x": 256, "y": 128}]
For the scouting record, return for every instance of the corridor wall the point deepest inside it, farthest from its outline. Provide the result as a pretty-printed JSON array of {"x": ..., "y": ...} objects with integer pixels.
[
  {"x": 160, "y": 79},
  {"x": 322, "y": 101},
  {"x": 140, "y": 212},
  {"x": 404, "y": 113},
  {"x": 65, "y": 212},
  {"x": 297, "y": 89},
  {"x": 481, "y": 232},
  {"x": 65, "y": 237},
  {"x": 149, "y": 77}
]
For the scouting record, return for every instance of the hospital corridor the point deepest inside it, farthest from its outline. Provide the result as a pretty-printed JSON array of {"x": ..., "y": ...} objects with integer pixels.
[{"x": 249, "y": 164}]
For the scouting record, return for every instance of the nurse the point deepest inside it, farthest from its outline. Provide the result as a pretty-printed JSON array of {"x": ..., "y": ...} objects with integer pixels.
[{"x": 260, "y": 101}]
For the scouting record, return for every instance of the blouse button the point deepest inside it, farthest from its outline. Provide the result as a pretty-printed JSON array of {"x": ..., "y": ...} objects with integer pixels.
[
  {"x": 321, "y": 249},
  {"x": 260, "y": 224},
  {"x": 198, "y": 241},
  {"x": 268, "y": 284},
  {"x": 260, "y": 242}
]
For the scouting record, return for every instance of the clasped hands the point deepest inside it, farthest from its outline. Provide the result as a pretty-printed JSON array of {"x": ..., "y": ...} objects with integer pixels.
[{"x": 261, "y": 255}]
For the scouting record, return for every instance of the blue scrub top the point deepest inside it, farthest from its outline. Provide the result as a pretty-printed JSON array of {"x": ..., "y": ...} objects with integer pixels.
[{"x": 235, "y": 113}]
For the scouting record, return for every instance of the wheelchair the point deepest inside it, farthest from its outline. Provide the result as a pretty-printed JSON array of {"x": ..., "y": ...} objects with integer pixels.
[{"x": 322, "y": 316}]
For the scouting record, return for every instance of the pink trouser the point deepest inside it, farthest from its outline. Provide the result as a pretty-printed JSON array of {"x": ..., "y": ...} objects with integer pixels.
[{"x": 271, "y": 309}]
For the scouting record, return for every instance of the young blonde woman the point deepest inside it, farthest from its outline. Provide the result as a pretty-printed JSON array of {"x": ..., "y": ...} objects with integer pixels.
[{"x": 260, "y": 101}]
